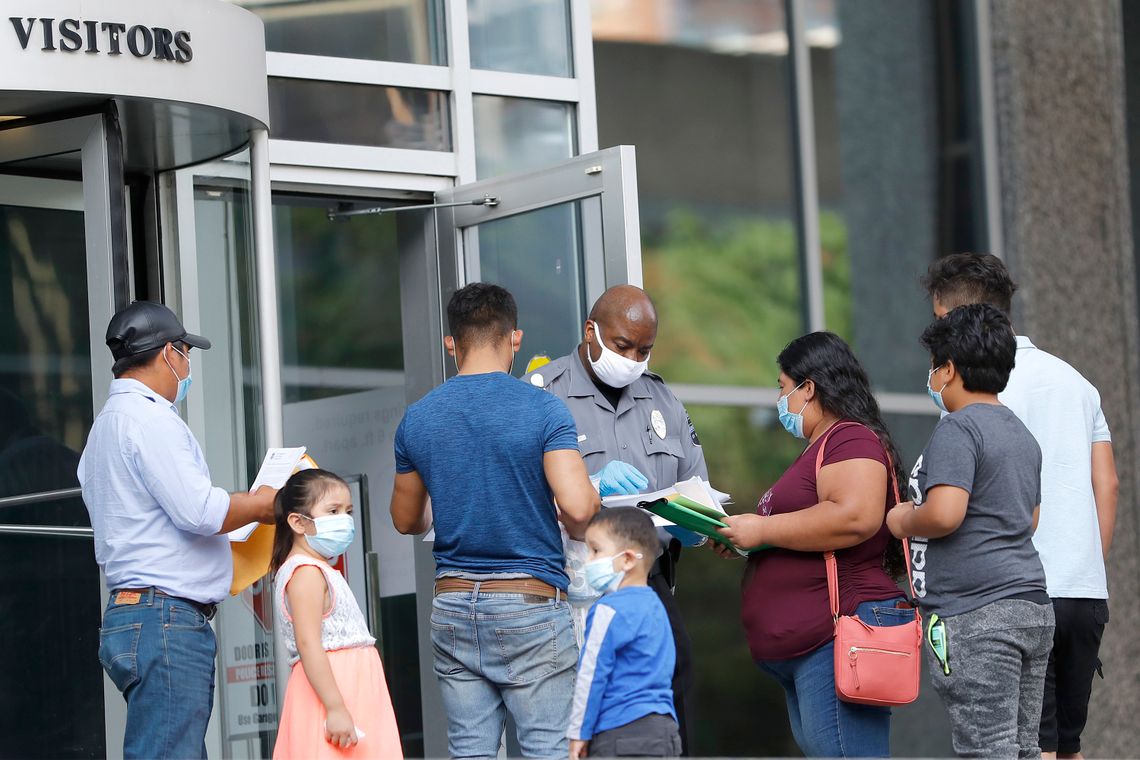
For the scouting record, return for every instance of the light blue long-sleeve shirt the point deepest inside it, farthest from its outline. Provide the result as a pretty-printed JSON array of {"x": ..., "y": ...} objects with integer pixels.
[{"x": 155, "y": 514}]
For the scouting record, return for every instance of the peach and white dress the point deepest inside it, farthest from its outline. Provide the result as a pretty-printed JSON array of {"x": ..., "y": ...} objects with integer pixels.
[{"x": 356, "y": 667}]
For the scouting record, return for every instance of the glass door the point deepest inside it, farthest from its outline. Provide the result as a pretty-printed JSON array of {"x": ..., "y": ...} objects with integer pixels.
[
  {"x": 56, "y": 297},
  {"x": 555, "y": 238}
]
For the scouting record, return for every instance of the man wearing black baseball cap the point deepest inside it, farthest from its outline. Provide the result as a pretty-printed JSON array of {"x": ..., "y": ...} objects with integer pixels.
[{"x": 160, "y": 540}]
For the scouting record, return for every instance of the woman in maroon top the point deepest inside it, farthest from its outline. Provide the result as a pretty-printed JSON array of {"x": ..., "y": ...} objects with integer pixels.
[{"x": 785, "y": 608}]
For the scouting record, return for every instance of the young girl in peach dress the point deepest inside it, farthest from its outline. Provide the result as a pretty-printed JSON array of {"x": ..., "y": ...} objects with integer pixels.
[{"x": 336, "y": 703}]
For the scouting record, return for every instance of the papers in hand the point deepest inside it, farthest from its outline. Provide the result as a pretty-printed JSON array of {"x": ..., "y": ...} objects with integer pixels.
[
  {"x": 695, "y": 488},
  {"x": 276, "y": 468}
]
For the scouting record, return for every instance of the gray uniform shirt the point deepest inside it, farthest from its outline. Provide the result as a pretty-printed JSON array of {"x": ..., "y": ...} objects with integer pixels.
[
  {"x": 986, "y": 451},
  {"x": 627, "y": 433}
]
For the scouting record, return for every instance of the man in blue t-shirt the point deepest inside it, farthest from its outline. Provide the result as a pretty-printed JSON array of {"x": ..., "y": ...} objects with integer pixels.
[{"x": 495, "y": 455}]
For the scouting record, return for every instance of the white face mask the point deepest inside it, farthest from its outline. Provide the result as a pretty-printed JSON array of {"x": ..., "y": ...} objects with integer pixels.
[{"x": 612, "y": 368}]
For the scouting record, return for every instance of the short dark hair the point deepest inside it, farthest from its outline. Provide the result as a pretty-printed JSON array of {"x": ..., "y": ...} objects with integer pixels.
[
  {"x": 138, "y": 361},
  {"x": 481, "y": 313},
  {"x": 963, "y": 278},
  {"x": 979, "y": 340},
  {"x": 630, "y": 525}
]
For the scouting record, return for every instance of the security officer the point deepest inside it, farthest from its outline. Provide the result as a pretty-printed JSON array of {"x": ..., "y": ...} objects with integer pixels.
[
  {"x": 160, "y": 540},
  {"x": 634, "y": 436}
]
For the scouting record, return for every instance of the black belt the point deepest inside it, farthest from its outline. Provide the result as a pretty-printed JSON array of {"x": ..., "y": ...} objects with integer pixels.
[{"x": 209, "y": 610}]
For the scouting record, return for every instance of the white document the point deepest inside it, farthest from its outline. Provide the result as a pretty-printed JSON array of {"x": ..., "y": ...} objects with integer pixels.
[
  {"x": 695, "y": 488},
  {"x": 276, "y": 468}
]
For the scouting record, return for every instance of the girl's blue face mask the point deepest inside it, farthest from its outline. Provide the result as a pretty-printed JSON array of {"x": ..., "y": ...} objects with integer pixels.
[
  {"x": 334, "y": 534},
  {"x": 793, "y": 422}
]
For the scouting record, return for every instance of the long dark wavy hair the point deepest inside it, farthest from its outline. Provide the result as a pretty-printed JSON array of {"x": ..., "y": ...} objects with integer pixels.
[
  {"x": 843, "y": 389},
  {"x": 299, "y": 494}
]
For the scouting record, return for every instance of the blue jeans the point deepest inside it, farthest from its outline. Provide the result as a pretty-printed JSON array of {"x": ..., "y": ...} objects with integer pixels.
[
  {"x": 160, "y": 654},
  {"x": 504, "y": 653},
  {"x": 823, "y": 724}
]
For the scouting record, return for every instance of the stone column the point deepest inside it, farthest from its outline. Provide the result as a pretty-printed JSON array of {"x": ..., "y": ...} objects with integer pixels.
[{"x": 1059, "y": 92}]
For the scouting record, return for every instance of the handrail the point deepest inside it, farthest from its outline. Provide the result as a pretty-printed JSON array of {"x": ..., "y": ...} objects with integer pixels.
[
  {"x": 61, "y": 531},
  {"x": 35, "y": 498}
]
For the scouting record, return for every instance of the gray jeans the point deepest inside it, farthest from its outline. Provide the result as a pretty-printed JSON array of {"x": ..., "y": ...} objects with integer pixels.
[
  {"x": 997, "y": 656},
  {"x": 652, "y": 736}
]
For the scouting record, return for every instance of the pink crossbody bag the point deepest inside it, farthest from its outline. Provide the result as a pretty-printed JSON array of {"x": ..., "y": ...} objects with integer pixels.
[{"x": 874, "y": 665}]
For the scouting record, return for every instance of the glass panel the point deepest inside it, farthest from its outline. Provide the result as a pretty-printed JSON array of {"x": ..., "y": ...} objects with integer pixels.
[
  {"x": 51, "y": 685},
  {"x": 405, "y": 31},
  {"x": 343, "y": 368},
  {"x": 537, "y": 256},
  {"x": 897, "y": 137},
  {"x": 719, "y": 243},
  {"x": 359, "y": 114},
  {"x": 339, "y": 296},
  {"x": 218, "y": 289},
  {"x": 521, "y": 36},
  {"x": 514, "y": 135},
  {"x": 747, "y": 451}
]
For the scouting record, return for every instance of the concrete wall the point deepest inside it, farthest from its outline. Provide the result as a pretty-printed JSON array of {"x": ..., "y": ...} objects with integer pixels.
[{"x": 1058, "y": 69}]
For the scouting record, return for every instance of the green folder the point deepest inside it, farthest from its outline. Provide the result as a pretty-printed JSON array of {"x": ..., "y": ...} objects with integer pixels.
[{"x": 693, "y": 516}]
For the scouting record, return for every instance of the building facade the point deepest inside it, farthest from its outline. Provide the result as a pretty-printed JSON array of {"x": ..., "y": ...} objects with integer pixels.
[{"x": 789, "y": 165}]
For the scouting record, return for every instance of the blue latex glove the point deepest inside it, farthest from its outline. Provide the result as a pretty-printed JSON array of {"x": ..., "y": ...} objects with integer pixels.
[{"x": 619, "y": 479}]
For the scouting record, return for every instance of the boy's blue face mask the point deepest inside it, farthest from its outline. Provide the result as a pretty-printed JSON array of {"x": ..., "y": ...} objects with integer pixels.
[
  {"x": 601, "y": 575},
  {"x": 935, "y": 396}
]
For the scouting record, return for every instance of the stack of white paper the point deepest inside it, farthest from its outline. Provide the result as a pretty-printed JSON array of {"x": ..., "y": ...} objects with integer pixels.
[{"x": 276, "y": 468}]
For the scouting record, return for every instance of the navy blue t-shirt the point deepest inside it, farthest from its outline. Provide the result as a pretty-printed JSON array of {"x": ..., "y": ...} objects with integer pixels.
[{"x": 477, "y": 441}]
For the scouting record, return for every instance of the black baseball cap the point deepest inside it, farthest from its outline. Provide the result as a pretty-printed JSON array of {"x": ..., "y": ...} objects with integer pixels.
[{"x": 145, "y": 325}]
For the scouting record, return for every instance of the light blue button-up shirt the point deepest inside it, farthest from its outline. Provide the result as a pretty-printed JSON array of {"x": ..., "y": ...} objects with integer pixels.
[{"x": 155, "y": 513}]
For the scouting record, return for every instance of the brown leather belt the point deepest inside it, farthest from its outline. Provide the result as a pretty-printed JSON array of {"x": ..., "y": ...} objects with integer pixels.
[{"x": 531, "y": 586}]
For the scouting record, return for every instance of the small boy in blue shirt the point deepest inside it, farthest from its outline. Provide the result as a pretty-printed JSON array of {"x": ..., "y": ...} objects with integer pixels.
[{"x": 623, "y": 698}]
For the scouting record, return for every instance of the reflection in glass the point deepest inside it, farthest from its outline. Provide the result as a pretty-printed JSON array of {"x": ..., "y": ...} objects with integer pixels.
[
  {"x": 897, "y": 138},
  {"x": 339, "y": 289},
  {"x": 537, "y": 256},
  {"x": 359, "y": 114},
  {"x": 521, "y": 36},
  {"x": 516, "y": 134},
  {"x": 719, "y": 243},
  {"x": 51, "y": 685},
  {"x": 405, "y": 31}
]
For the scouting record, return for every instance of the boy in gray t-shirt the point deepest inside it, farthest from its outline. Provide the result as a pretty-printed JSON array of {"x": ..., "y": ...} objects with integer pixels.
[{"x": 975, "y": 493}]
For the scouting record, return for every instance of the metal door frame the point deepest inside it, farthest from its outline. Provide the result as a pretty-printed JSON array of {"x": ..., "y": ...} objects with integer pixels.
[{"x": 97, "y": 140}]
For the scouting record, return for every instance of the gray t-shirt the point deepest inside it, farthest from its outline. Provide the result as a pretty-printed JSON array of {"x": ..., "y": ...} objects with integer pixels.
[{"x": 985, "y": 450}]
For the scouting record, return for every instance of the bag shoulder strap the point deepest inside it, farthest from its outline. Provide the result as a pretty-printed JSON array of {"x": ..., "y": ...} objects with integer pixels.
[{"x": 829, "y": 557}]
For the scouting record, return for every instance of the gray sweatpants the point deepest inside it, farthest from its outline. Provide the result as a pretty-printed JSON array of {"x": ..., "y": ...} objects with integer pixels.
[
  {"x": 997, "y": 655},
  {"x": 651, "y": 736}
]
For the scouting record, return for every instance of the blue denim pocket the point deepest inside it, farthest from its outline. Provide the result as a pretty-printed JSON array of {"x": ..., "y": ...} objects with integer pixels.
[
  {"x": 531, "y": 652},
  {"x": 118, "y": 654},
  {"x": 443, "y": 647},
  {"x": 885, "y": 613},
  {"x": 182, "y": 615}
]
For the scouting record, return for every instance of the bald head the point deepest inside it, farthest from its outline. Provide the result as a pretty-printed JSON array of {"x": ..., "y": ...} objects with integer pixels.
[
  {"x": 624, "y": 303},
  {"x": 625, "y": 321}
]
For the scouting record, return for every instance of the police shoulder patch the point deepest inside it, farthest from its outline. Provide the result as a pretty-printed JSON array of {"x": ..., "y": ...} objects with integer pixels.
[{"x": 692, "y": 430}]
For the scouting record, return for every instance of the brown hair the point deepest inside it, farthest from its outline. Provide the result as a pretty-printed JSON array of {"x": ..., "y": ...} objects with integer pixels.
[
  {"x": 965, "y": 278},
  {"x": 299, "y": 494}
]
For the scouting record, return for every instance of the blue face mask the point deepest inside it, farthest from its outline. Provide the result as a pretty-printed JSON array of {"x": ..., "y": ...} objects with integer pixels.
[
  {"x": 334, "y": 534},
  {"x": 184, "y": 382},
  {"x": 936, "y": 396},
  {"x": 601, "y": 576},
  {"x": 793, "y": 422}
]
